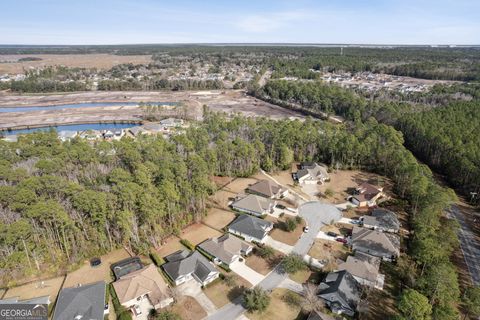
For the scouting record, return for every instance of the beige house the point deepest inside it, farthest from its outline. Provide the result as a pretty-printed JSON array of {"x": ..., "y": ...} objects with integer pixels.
[
  {"x": 268, "y": 189},
  {"x": 143, "y": 290},
  {"x": 253, "y": 204},
  {"x": 366, "y": 195},
  {"x": 226, "y": 248},
  {"x": 365, "y": 269}
]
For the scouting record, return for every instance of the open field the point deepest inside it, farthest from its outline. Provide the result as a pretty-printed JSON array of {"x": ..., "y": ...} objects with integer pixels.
[
  {"x": 188, "y": 309},
  {"x": 221, "y": 294},
  {"x": 35, "y": 289},
  {"x": 218, "y": 218},
  {"x": 10, "y": 64},
  {"x": 86, "y": 274},
  {"x": 198, "y": 232},
  {"x": 229, "y": 101},
  {"x": 278, "y": 308}
]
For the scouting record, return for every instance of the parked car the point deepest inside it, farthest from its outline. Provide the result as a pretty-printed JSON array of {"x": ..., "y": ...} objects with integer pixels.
[
  {"x": 281, "y": 206},
  {"x": 305, "y": 229},
  {"x": 342, "y": 240},
  {"x": 355, "y": 221},
  {"x": 95, "y": 262},
  {"x": 332, "y": 234}
]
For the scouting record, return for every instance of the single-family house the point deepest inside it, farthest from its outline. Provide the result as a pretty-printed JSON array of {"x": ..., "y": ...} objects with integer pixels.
[
  {"x": 253, "y": 204},
  {"x": 379, "y": 244},
  {"x": 183, "y": 265},
  {"x": 341, "y": 292},
  {"x": 366, "y": 195},
  {"x": 250, "y": 228},
  {"x": 226, "y": 248},
  {"x": 365, "y": 269},
  {"x": 82, "y": 302},
  {"x": 67, "y": 135},
  {"x": 311, "y": 173},
  {"x": 267, "y": 189},
  {"x": 382, "y": 220},
  {"x": 143, "y": 290}
]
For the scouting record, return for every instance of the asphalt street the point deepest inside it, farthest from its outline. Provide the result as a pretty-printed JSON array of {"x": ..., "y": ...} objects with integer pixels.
[{"x": 316, "y": 214}]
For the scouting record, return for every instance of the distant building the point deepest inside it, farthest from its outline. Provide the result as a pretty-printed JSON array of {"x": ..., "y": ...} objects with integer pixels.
[
  {"x": 311, "y": 173},
  {"x": 67, "y": 135},
  {"x": 38, "y": 300}
]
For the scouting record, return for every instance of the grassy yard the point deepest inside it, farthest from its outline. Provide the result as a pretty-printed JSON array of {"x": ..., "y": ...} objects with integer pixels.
[
  {"x": 49, "y": 287},
  {"x": 278, "y": 308},
  {"x": 188, "y": 309},
  {"x": 169, "y": 246},
  {"x": 221, "y": 294},
  {"x": 218, "y": 218},
  {"x": 261, "y": 265},
  {"x": 330, "y": 251},
  {"x": 198, "y": 232},
  {"x": 281, "y": 235}
]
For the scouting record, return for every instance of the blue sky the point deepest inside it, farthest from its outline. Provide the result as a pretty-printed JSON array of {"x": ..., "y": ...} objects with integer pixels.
[{"x": 201, "y": 21}]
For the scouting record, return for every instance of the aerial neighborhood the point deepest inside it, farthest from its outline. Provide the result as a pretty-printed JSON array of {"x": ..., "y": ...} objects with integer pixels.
[{"x": 265, "y": 219}]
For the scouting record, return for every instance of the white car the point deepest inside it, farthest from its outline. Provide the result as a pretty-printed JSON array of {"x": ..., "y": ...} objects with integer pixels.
[{"x": 305, "y": 229}]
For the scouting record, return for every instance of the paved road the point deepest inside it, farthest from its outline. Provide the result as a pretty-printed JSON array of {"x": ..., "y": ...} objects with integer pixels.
[
  {"x": 316, "y": 215},
  {"x": 468, "y": 244}
]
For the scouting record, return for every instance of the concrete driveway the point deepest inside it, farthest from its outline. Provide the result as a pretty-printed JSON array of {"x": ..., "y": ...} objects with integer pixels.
[
  {"x": 277, "y": 245},
  {"x": 193, "y": 289},
  {"x": 246, "y": 272}
]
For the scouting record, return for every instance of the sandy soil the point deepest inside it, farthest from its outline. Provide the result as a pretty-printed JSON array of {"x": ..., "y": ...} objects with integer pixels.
[
  {"x": 197, "y": 233},
  {"x": 239, "y": 185},
  {"x": 330, "y": 251},
  {"x": 189, "y": 309},
  {"x": 86, "y": 274},
  {"x": 286, "y": 237},
  {"x": 229, "y": 101},
  {"x": 36, "y": 289},
  {"x": 10, "y": 63},
  {"x": 218, "y": 218},
  {"x": 262, "y": 265},
  {"x": 222, "y": 198},
  {"x": 169, "y": 246}
]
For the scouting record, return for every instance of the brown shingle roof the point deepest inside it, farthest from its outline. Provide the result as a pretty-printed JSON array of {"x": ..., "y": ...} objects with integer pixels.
[{"x": 266, "y": 188}]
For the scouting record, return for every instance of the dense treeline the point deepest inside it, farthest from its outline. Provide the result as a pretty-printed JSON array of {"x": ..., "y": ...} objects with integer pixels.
[
  {"x": 447, "y": 139},
  {"x": 47, "y": 85},
  {"x": 158, "y": 84},
  {"x": 61, "y": 202}
]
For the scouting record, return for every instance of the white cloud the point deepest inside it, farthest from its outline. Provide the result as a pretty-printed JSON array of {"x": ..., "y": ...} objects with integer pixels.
[{"x": 257, "y": 23}]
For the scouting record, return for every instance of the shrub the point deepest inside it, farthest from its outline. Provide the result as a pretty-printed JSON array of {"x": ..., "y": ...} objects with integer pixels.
[
  {"x": 156, "y": 258},
  {"x": 167, "y": 315},
  {"x": 265, "y": 252},
  {"x": 293, "y": 263},
  {"x": 187, "y": 244},
  {"x": 298, "y": 219},
  {"x": 256, "y": 299},
  {"x": 229, "y": 280},
  {"x": 292, "y": 298},
  {"x": 290, "y": 225},
  {"x": 281, "y": 214},
  {"x": 329, "y": 192}
]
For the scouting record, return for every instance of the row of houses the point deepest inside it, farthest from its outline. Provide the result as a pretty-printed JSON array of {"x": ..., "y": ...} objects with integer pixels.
[{"x": 373, "y": 242}]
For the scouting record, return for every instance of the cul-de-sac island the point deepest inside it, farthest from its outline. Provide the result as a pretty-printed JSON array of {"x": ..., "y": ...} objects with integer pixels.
[{"x": 223, "y": 179}]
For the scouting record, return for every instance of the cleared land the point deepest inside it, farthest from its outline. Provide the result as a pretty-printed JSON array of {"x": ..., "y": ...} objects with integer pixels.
[
  {"x": 262, "y": 265},
  {"x": 198, "y": 232},
  {"x": 170, "y": 245},
  {"x": 330, "y": 251},
  {"x": 218, "y": 218},
  {"x": 10, "y": 64},
  {"x": 229, "y": 101},
  {"x": 188, "y": 309},
  {"x": 49, "y": 287},
  {"x": 87, "y": 274},
  {"x": 280, "y": 234},
  {"x": 278, "y": 308}
]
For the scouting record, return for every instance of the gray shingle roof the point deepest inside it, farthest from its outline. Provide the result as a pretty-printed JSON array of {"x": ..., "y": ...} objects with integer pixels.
[
  {"x": 252, "y": 226},
  {"x": 340, "y": 288},
  {"x": 367, "y": 241},
  {"x": 192, "y": 263},
  {"x": 224, "y": 247},
  {"x": 383, "y": 218},
  {"x": 87, "y": 301}
]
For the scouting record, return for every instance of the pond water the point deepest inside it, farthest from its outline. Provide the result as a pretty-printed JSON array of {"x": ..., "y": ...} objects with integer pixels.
[
  {"x": 77, "y": 105},
  {"x": 75, "y": 127}
]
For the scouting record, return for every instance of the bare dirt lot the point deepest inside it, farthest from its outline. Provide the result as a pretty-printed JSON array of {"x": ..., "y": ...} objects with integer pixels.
[
  {"x": 188, "y": 309},
  {"x": 49, "y": 287},
  {"x": 87, "y": 274},
  {"x": 280, "y": 234},
  {"x": 229, "y": 101},
  {"x": 218, "y": 218},
  {"x": 198, "y": 232},
  {"x": 262, "y": 265},
  {"x": 10, "y": 64},
  {"x": 169, "y": 246},
  {"x": 330, "y": 251}
]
